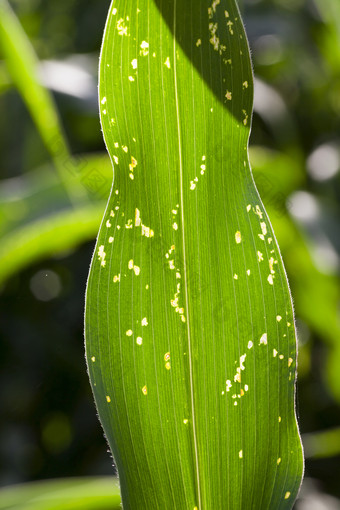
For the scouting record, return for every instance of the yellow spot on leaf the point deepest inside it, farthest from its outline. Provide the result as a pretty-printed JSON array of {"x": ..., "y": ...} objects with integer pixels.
[
  {"x": 238, "y": 237},
  {"x": 102, "y": 255},
  {"x": 145, "y": 390},
  {"x": 129, "y": 332},
  {"x": 240, "y": 454},
  {"x": 122, "y": 29},
  {"x": 108, "y": 399},
  {"x": 139, "y": 340},
  {"x": 264, "y": 339},
  {"x": 167, "y": 63},
  {"x": 144, "y": 48},
  {"x": 287, "y": 495},
  {"x": 270, "y": 279},
  {"x": 93, "y": 359},
  {"x": 229, "y": 95},
  {"x": 145, "y": 321}
]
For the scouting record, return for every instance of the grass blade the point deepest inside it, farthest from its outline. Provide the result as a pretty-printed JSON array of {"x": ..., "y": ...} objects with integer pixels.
[{"x": 22, "y": 64}]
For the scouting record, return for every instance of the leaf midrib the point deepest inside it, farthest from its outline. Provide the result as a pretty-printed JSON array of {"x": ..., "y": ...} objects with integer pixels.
[{"x": 184, "y": 263}]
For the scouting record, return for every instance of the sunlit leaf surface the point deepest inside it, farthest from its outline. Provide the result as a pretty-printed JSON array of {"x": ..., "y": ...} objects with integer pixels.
[
  {"x": 63, "y": 494},
  {"x": 190, "y": 333}
]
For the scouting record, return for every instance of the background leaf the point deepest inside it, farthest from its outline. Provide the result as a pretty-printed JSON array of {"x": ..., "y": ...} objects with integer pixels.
[
  {"x": 69, "y": 494},
  {"x": 189, "y": 323}
]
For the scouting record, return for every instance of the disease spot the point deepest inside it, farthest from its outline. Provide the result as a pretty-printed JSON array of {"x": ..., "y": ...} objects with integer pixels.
[
  {"x": 278, "y": 461},
  {"x": 167, "y": 63},
  {"x": 185, "y": 421},
  {"x": 228, "y": 385},
  {"x": 116, "y": 278},
  {"x": 129, "y": 332},
  {"x": 263, "y": 228},
  {"x": 235, "y": 276},
  {"x": 108, "y": 399},
  {"x": 103, "y": 101},
  {"x": 264, "y": 339},
  {"x": 248, "y": 272},
  {"x": 240, "y": 454},
  {"x": 246, "y": 387},
  {"x": 124, "y": 147},
  {"x": 147, "y": 287},
  {"x": 111, "y": 239},
  {"x": 198, "y": 42},
  {"x": 259, "y": 256},
  {"x": 238, "y": 237},
  {"x": 258, "y": 212},
  {"x": 134, "y": 63},
  {"x": 144, "y": 390},
  {"x": 145, "y": 321},
  {"x": 245, "y": 84},
  {"x": 278, "y": 318},
  {"x": 290, "y": 361},
  {"x": 275, "y": 353},
  {"x": 261, "y": 236},
  {"x": 270, "y": 279},
  {"x": 131, "y": 78},
  {"x": 167, "y": 356},
  {"x": 229, "y": 95},
  {"x": 93, "y": 359},
  {"x": 144, "y": 48},
  {"x": 137, "y": 218},
  {"x": 114, "y": 11},
  {"x": 280, "y": 419},
  {"x": 168, "y": 366},
  {"x": 287, "y": 495},
  {"x": 281, "y": 356},
  {"x": 139, "y": 340},
  {"x": 250, "y": 344},
  {"x": 175, "y": 226},
  {"x": 171, "y": 264},
  {"x": 248, "y": 208},
  {"x": 102, "y": 255},
  {"x": 230, "y": 26},
  {"x": 108, "y": 224},
  {"x": 122, "y": 29}
]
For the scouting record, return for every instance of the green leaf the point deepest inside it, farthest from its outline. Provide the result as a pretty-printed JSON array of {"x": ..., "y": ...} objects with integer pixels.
[
  {"x": 36, "y": 219},
  {"x": 190, "y": 336},
  {"x": 22, "y": 64},
  {"x": 68, "y": 494}
]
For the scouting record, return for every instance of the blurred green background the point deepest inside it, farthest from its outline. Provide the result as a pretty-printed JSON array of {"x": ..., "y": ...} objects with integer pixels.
[{"x": 54, "y": 181}]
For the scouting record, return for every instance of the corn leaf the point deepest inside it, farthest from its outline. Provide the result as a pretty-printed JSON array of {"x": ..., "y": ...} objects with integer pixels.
[
  {"x": 64, "y": 494},
  {"x": 190, "y": 336}
]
